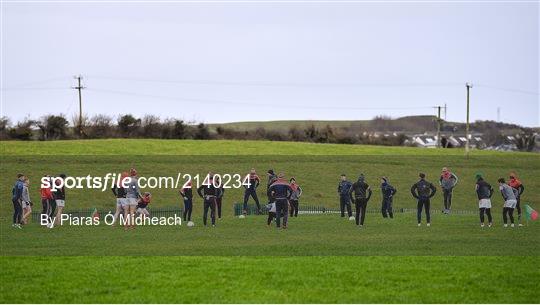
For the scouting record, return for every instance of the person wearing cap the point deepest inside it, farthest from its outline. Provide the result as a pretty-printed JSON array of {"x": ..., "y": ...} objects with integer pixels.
[
  {"x": 484, "y": 191},
  {"x": 297, "y": 192},
  {"x": 388, "y": 192},
  {"x": 59, "y": 197},
  {"x": 423, "y": 191},
  {"x": 344, "y": 189},
  {"x": 251, "y": 190},
  {"x": 360, "y": 193},
  {"x": 16, "y": 198},
  {"x": 509, "y": 195},
  {"x": 187, "y": 195},
  {"x": 133, "y": 193},
  {"x": 516, "y": 184},
  {"x": 280, "y": 192},
  {"x": 447, "y": 181},
  {"x": 209, "y": 193}
]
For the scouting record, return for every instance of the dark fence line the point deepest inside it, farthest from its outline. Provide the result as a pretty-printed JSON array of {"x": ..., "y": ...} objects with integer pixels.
[
  {"x": 87, "y": 212},
  {"x": 319, "y": 209}
]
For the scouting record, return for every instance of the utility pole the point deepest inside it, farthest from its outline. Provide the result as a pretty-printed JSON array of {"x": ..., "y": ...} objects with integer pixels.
[
  {"x": 445, "y": 109},
  {"x": 439, "y": 121},
  {"x": 467, "y": 148},
  {"x": 79, "y": 87},
  {"x": 498, "y": 114}
]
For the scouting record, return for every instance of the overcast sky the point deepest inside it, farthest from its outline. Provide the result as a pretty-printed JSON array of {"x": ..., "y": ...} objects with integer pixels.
[{"x": 272, "y": 61}]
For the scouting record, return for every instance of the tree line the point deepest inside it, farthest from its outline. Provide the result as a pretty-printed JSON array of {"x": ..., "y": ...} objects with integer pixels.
[{"x": 57, "y": 127}]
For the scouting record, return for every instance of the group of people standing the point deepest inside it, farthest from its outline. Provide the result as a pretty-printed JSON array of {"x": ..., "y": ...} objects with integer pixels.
[
  {"x": 52, "y": 201},
  {"x": 360, "y": 192},
  {"x": 283, "y": 198}
]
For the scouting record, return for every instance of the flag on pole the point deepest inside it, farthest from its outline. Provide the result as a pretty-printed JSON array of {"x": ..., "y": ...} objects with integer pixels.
[
  {"x": 95, "y": 214},
  {"x": 530, "y": 213}
]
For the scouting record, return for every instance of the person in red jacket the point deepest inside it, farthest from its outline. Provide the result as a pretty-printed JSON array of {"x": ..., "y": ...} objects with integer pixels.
[
  {"x": 47, "y": 201},
  {"x": 515, "y": 183}
]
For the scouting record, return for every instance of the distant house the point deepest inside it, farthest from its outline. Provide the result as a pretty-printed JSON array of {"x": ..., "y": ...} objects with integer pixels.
[{"x": 453, "y": 140}]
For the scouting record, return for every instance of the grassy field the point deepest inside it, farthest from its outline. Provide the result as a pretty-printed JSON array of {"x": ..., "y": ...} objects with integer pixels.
[{"x": 321, "y": 258}]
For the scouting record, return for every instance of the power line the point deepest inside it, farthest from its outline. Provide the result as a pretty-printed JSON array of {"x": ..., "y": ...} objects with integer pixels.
[
  {"x": 276, "y": 84},
  {"x": 249, "y": 103},
  {"x": 508, "y": 89}
]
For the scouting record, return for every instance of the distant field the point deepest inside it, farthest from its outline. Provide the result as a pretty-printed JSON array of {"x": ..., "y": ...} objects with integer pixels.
[
  {"x": 284, "y": 126},
  {"x": 218, "y": 147},
  {"x": 321, "y": 258}
]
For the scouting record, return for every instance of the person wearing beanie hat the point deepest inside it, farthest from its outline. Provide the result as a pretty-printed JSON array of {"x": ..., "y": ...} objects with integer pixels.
[
  {"x": 344, "y": 189},
  {"x": 447, "y": 181},
  {"x": 272, "y": 177},
  {"x": 362, "y": 193},
  {"x": 388, "y": 192},
  {"x": 484, "y": 191},
  {"x": 423, "y": 191}
]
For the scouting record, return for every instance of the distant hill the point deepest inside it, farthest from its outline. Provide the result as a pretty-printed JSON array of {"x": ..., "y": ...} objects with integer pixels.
[{"x": 407, "y": 124}]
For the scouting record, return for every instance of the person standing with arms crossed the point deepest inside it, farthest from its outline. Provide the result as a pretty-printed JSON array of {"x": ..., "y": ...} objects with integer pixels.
[
  {"x": 447, "y": 181},
  {"x": 16, "y": 198},
  {"x": 297, "y": 192},
  {"x": 344, "y": 193},
  {"x": 423, "y": 191}
]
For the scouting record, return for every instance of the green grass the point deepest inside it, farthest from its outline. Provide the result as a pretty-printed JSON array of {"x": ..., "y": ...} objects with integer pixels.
[
  {"x": 321, "y": 258},
  {"x": 221, "y": 279},
  {"x": 307, "y": 235}
]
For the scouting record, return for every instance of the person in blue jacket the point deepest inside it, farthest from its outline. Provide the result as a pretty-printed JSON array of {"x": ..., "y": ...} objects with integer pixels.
[
  {"x": 16, "y": 198},
  {"x": 388, "y": 192}
]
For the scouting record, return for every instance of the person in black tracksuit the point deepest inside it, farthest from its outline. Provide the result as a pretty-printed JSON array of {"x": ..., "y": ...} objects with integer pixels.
[
  {"x": 209, "y": 193},
  {"x": 271, "y": 179},
  {"x": 120, "y": 194},
  {"x": 219, "y": 199},
  {"x": 280, "y": 191},
  {"x": 423, "y": 191},
  {"x": 344, "y": 192},
  {"x": 360, "y": 193},
  {"x": 484, "y": 191},
  {"x": 187, "y": 195},
  {"x": 388, "y": 192},
  {"x": 251, "y": 190}
]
